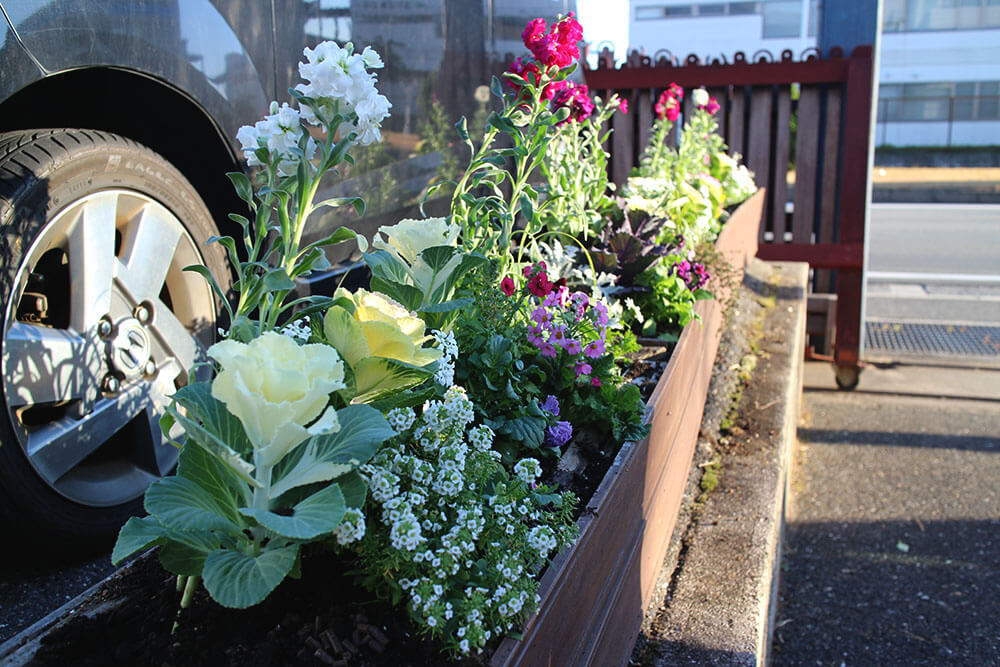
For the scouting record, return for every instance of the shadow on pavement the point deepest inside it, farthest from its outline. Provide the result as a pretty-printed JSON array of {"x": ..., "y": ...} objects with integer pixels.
[{"x": 901, "y": 439}]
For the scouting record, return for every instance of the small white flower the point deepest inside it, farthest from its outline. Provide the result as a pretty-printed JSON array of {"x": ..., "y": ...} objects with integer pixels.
[
  {"x": 371, "y": 59},
  {"x": 699, "y": 97}
]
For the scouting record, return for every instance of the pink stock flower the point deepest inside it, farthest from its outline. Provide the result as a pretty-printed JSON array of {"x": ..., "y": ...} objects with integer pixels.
[
  {"x": 712, "y": 106},
  {"x": 533, "y": 31},
  {"x": 559, "y": 47},
  {"x": 623, "y": 105},
  {"x": 669, "y": 104},
  {"x": 577, "y": 100}
]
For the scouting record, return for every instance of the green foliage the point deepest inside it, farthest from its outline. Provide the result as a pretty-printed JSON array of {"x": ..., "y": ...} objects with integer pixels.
[{"x": 576, "y": 170}]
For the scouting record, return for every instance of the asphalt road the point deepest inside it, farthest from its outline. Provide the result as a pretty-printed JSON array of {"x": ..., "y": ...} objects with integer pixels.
[
  {"x": 892, "y": 553},
  {"x": 934, "y": 263}
]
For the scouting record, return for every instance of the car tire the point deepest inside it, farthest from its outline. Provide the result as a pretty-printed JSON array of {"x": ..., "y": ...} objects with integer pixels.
[{"x": 100, "y": 326}]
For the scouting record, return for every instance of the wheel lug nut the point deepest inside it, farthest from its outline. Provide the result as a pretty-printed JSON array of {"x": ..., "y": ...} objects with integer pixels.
[
  {"x": 104, "y": 328},
  {"x": 142, "y": 314},
  {"x": 150, "y": 368},
  {"x": 111, "y": 384}
]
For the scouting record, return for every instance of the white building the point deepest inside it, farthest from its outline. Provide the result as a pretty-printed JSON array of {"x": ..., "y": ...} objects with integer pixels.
[{"x": 939, "y": 77}]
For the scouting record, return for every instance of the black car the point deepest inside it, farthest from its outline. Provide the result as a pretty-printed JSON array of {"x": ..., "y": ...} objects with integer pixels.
[{"x": 118, "y": 121}]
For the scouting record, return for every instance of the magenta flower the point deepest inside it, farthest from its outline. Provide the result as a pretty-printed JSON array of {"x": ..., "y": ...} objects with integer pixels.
[
  {"x": 572, "y": 346},
  {"x": 541, "y": 315},
  {"x": 594, "y": 349},
  {"x": 582, "y": 368},
  {"x": 623, "y": 105},
  {"x": 577, "y": 100},
  {"x": 602, "y": 313},
  {"x": 558, "y": 48},
  {"x": 595, "y": 382},
  {"x": 507, "y": 286},
  {"x": 669, "y": 104}
]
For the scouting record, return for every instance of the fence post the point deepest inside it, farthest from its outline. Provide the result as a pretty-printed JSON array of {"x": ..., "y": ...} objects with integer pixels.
[{"x": 852, "y": 24}]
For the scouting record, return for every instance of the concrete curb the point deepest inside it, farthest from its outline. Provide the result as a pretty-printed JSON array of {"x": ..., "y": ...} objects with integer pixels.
[{"x": 720, "y": 601}]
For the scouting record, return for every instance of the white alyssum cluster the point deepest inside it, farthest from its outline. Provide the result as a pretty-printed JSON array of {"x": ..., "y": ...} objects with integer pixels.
[
  {"x": 445, "y": 375},
  {"x": 351, "y": 528},
  {"x": 465, "y": 540},
  {"x": 298, "y": 330}
]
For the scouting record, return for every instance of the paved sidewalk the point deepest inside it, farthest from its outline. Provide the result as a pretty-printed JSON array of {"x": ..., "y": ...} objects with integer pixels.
[{"x": 892, "y": 552}]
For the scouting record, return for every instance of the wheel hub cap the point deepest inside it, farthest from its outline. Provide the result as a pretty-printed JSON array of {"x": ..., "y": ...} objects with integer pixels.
[{"x": 130, "y": 349}]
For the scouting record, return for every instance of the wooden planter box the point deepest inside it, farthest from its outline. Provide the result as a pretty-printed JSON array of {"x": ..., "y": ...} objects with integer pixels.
[{"x": 595, "y": 593}]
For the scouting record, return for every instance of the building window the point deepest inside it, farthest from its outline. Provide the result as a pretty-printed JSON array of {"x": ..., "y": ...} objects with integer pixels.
[
  {"x": 782, "y": 18},
  {"x": 709, "y": 9},
  {"x": 924, "y": 102},
  {"x": 926, "y": 15}
]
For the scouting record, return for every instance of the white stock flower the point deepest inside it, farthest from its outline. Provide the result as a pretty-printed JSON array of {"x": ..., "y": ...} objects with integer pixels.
[
  {"x": 278, "y": 132},
  {"x": 249, "y": 138},
  {"x": 699, "y": 97},
  {"x": 371, "y": 59},
  {"x": 336, "y": 73}
]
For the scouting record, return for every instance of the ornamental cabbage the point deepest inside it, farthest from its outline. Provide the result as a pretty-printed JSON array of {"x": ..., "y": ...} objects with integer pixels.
[
  {"x": 382, "y": 343},
  {"x": 275, "y": 386}
]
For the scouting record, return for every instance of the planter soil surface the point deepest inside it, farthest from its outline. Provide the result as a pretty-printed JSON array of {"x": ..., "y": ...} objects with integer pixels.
[{"x": 324, "y": 618}]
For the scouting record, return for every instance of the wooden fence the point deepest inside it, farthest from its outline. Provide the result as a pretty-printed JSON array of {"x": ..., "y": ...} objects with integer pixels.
[{"x": 815, "y": 110}]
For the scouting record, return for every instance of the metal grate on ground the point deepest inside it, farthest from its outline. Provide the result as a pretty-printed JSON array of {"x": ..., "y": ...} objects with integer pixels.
[{"x": 931, "y": 338}]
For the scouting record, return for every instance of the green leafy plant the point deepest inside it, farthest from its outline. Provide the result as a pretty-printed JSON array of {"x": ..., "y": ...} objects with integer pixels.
[{"x": 576, "y": 170}]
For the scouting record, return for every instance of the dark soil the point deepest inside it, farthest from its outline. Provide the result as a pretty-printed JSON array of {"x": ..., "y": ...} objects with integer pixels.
[
  {"x": 320, "y": 619},
  {"x": 324, "y": 618}
]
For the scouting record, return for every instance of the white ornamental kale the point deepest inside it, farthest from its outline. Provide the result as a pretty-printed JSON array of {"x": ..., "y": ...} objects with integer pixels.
[{"x": 461, "y": 538}]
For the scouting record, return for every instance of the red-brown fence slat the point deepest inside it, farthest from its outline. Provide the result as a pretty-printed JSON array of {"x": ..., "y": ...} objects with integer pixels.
[
  {"x": 782, "y": 147},
  {"x": 622, "y": 155},
  {"x": 826, "y": 233},
  {"x": 806, "y": 152},
  {"x": 737, "y": 121},
  {"x": 721, "y": 95},
  {"x": 643, "y": 110},
  {"x": 759, "y": 144}
]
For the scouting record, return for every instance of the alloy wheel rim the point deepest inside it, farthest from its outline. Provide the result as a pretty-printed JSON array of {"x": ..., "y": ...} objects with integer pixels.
[{"x": 102, "y": 326}]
